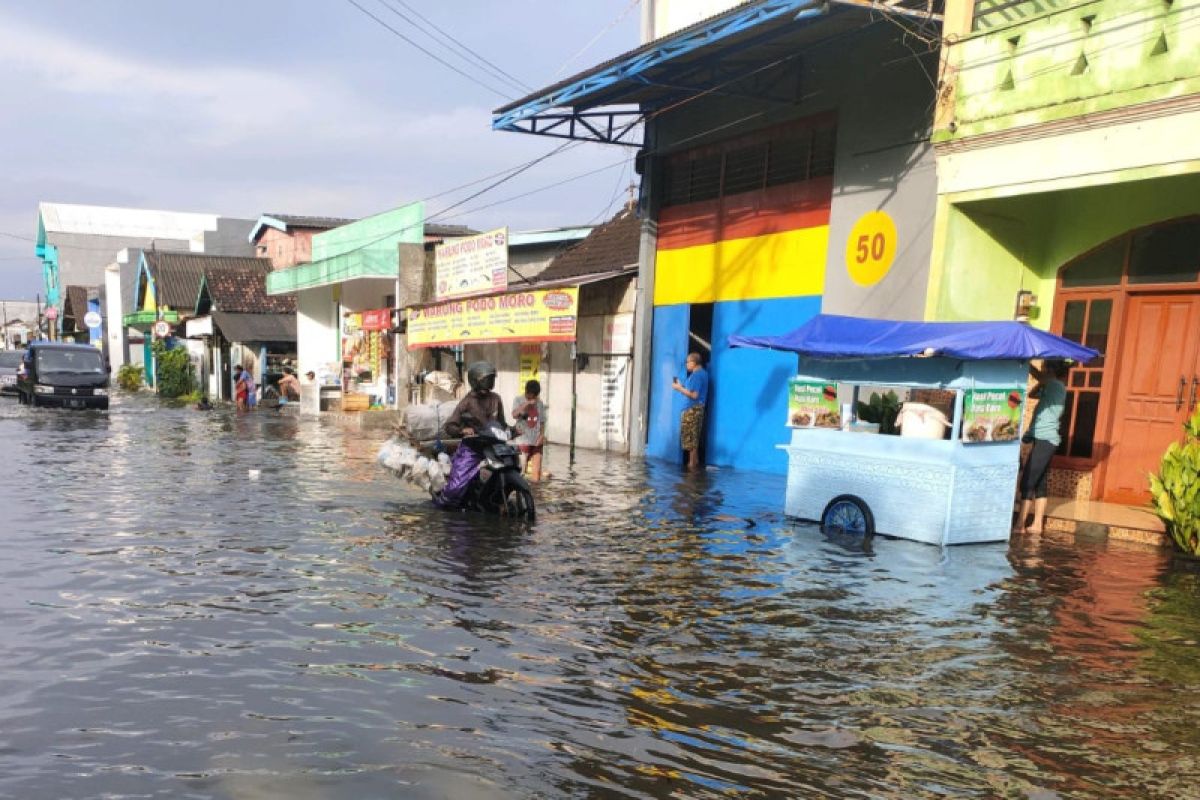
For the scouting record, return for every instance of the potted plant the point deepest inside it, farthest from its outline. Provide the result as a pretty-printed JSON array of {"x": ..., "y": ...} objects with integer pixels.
[{"x": 1176, "y": 489}]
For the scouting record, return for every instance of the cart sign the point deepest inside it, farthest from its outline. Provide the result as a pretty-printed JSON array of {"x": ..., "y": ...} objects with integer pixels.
[
  {"x": 472, "y": 265},
  {"x": 813, "y": 404},
  {"x": 992, "y": 415},
  {"x": 533, "y": 316}
]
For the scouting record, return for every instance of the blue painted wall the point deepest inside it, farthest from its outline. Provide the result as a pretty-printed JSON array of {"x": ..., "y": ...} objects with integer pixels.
[
  {"x": 668, "y": 352},
  {"x": 747, "y": 393}
]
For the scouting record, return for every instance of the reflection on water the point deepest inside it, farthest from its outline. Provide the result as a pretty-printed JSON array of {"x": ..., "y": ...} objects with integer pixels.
[{"x": 175, "y": 629}]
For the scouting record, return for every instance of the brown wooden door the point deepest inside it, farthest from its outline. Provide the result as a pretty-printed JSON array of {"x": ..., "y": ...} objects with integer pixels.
[{"x": 1154, "y": 384}]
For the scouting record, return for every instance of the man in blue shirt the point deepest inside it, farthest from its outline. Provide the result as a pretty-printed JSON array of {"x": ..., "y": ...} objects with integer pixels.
[{"x": 691, "y": 424}]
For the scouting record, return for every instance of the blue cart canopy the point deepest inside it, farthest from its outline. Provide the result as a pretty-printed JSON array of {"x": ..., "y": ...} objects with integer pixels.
[{"x": 829, "y": 336}]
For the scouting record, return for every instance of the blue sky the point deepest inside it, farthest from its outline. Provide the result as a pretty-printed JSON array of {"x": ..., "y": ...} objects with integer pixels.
[{"x": 240, "y": 107}]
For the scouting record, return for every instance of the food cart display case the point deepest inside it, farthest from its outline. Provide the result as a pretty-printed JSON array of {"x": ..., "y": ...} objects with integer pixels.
[{"x": 941, "y": 483}]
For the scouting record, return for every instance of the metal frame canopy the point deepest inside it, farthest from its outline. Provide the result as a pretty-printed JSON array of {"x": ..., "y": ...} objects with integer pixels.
[{"x": 724, "y": 54}]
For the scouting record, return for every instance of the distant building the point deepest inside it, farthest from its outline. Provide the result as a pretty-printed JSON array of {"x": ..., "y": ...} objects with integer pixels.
[
  {"x": 168, "y": 289},
  {"x": 286, "y": 239},
  {"x": 78, "y": 244},
  {"x": 241, "y": 324}
]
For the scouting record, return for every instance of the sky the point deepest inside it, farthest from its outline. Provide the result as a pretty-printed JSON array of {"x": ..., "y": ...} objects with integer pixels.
[{"x": 245, "y": 107}]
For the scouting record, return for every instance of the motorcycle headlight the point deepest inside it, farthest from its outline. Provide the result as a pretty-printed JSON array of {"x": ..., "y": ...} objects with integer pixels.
[
  {"x": 39, "y": 389},
  {"x": 494, "y": 464}
]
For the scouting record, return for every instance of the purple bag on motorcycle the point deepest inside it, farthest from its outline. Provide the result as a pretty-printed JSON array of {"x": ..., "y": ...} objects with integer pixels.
[{"x": 463, "y": 469}]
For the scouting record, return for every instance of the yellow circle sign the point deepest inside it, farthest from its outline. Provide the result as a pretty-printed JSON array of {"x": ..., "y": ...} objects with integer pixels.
[{"x": 871, "y": 248}]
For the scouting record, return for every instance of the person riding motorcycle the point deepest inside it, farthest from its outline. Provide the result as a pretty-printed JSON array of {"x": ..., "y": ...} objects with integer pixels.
[{"x": 473, "y": 414}]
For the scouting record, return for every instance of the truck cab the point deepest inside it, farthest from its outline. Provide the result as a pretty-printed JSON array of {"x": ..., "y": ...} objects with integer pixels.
[{"x": 63, "y": 375}]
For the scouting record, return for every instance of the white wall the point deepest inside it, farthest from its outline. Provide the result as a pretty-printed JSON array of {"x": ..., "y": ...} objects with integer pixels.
[{"x": 316, "y": 330}]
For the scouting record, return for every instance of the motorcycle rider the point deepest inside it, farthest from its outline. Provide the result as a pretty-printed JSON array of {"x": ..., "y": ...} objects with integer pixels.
[{"x": 474, "y": 413}]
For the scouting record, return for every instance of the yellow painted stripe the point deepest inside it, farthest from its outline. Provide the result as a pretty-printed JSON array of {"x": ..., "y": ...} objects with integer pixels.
[{"x": 788, "y": 264}]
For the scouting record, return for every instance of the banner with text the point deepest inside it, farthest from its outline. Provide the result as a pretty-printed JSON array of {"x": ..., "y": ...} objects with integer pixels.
[
  {"x": 545, "y": 315},
  {"x": 992, "y": 415},
  {"x": 472, "y": 265},
  {"x": 812, "y": 404}
]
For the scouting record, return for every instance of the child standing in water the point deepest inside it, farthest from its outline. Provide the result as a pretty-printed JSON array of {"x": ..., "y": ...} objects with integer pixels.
[{"x": 530, "y": 414}]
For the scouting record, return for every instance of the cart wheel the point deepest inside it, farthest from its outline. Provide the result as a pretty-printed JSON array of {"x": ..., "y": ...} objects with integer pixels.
[{"x": 847, "y": 514}]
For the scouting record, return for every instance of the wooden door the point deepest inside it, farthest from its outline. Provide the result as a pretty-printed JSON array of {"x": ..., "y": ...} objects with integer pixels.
[{"x": 1158, "y": 364}]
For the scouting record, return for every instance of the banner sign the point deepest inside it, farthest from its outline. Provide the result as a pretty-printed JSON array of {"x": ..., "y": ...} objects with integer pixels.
[
  {"x": 472, "y": 265},
  {"x": 992, "y": 415},
  {"x": 545, "y": 315},
  {"x": 531, "y": 364},
  {"x": 378, "y": 319},
  {"x": 813, "y": 404}
]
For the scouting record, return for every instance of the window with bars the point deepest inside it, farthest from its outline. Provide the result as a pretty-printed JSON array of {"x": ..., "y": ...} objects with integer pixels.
[{"x": 787, "y": 154}]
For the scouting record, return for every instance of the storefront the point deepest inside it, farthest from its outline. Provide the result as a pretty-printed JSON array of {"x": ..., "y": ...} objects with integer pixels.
[
  {"x": 368, "y": 366},
  {"x": 344, "y": 308},
  {"x": 1072, "y": 191},
  {"x": 799, "y": 181}
]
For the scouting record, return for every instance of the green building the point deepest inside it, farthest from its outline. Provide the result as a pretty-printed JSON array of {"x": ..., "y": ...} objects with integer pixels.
[{"x": 1067, "y": 142}]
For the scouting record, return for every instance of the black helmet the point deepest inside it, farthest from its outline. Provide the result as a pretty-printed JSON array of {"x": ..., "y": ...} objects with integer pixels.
[{"x": 482, "y": 376}]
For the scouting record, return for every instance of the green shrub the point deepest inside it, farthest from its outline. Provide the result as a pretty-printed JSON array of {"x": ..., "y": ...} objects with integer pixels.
[
  {"x": 882, "y": 409},
  {"x": 129, "y": 377},
  {"x": 1176, "y": 489},
  {"x": 175, "y": 376}
]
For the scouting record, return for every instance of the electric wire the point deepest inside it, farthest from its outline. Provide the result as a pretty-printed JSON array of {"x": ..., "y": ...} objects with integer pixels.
[
  {"x": 428, "y": 52},
  {"x": 632, "y": 5},
  {"x": 467, "y": 53}
]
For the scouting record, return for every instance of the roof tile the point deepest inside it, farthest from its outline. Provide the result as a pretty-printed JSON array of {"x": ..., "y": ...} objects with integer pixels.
[{"x": 612, "y": 246}]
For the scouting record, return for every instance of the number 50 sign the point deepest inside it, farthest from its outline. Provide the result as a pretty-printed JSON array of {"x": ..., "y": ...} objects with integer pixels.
[{"x": 871, "y": 248}]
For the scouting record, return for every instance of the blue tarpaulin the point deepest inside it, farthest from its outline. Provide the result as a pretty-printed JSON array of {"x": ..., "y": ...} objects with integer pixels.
[{"x": 828, "y": 336}]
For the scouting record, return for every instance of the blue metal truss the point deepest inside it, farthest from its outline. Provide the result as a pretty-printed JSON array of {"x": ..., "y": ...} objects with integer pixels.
[{"x": 553, "y": 114}]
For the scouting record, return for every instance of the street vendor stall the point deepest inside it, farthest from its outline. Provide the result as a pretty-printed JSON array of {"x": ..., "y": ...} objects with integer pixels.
[{"x": 945, "y": 478}]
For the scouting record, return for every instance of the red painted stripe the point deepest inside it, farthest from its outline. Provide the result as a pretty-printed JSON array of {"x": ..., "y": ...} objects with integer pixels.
[{"x": 741, "y": 216}]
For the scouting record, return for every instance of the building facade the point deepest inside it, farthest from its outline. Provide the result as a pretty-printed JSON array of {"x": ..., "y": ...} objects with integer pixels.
[
  {"x": 786, "y": 170},
  {"x": 1069, "y": 173}
]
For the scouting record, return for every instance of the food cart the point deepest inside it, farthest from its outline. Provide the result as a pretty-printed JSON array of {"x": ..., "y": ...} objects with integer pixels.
[{"x": 937, "y": 482}]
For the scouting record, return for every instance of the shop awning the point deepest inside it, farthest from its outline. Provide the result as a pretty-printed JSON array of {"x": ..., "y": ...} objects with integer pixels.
[
  {"x": 828, "y": 336},
  {"x": 256, "y": 327},
  {"x": 724, "y": 54}
]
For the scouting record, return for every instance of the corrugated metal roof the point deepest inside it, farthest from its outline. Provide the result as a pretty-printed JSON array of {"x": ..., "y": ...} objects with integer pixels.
[
  {"x": 305, "y": 221},
  {"x": 130, "y": 222},
  {"x": 256, "y": 327},
  {"x": 177, "y": 276}
]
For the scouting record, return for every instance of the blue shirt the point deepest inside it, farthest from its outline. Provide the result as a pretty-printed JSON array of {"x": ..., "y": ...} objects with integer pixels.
[{"x": 696, "y": 382}]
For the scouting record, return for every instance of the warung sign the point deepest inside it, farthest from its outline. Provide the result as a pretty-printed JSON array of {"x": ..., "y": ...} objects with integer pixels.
[
  {"x": 472, "y": 265},
  {"x": 546, "y": 315}
]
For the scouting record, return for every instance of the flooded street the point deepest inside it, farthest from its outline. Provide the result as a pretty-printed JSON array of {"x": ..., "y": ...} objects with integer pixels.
[{"x": 174, "y": 629}]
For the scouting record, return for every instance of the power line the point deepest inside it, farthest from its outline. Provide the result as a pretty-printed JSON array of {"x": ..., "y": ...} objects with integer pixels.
[
  {"x": 427, "y": 52},
  {"x": 632, "y": 5},
  {"x": 464, "y": 51}
]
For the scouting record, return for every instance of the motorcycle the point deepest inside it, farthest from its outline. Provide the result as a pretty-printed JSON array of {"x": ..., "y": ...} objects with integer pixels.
[{"x": 495, "y": 484}]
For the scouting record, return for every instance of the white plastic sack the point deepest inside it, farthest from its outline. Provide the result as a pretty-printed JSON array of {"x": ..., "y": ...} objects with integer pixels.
[{"x": 425, "y": 422}]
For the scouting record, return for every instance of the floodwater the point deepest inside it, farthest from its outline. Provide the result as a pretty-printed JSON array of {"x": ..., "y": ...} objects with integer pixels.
[{"x": 173, "y": 629}]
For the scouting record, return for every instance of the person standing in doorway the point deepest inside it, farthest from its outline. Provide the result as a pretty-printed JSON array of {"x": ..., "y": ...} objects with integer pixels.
[
  {"x": 530, "y": 414},
  {"x": 1046, "y": 436},
  {"x": 695, "y": 393}
]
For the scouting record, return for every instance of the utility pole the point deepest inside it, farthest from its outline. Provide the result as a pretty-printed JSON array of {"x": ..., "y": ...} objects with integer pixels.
[{"x": 4, "y": 307}]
